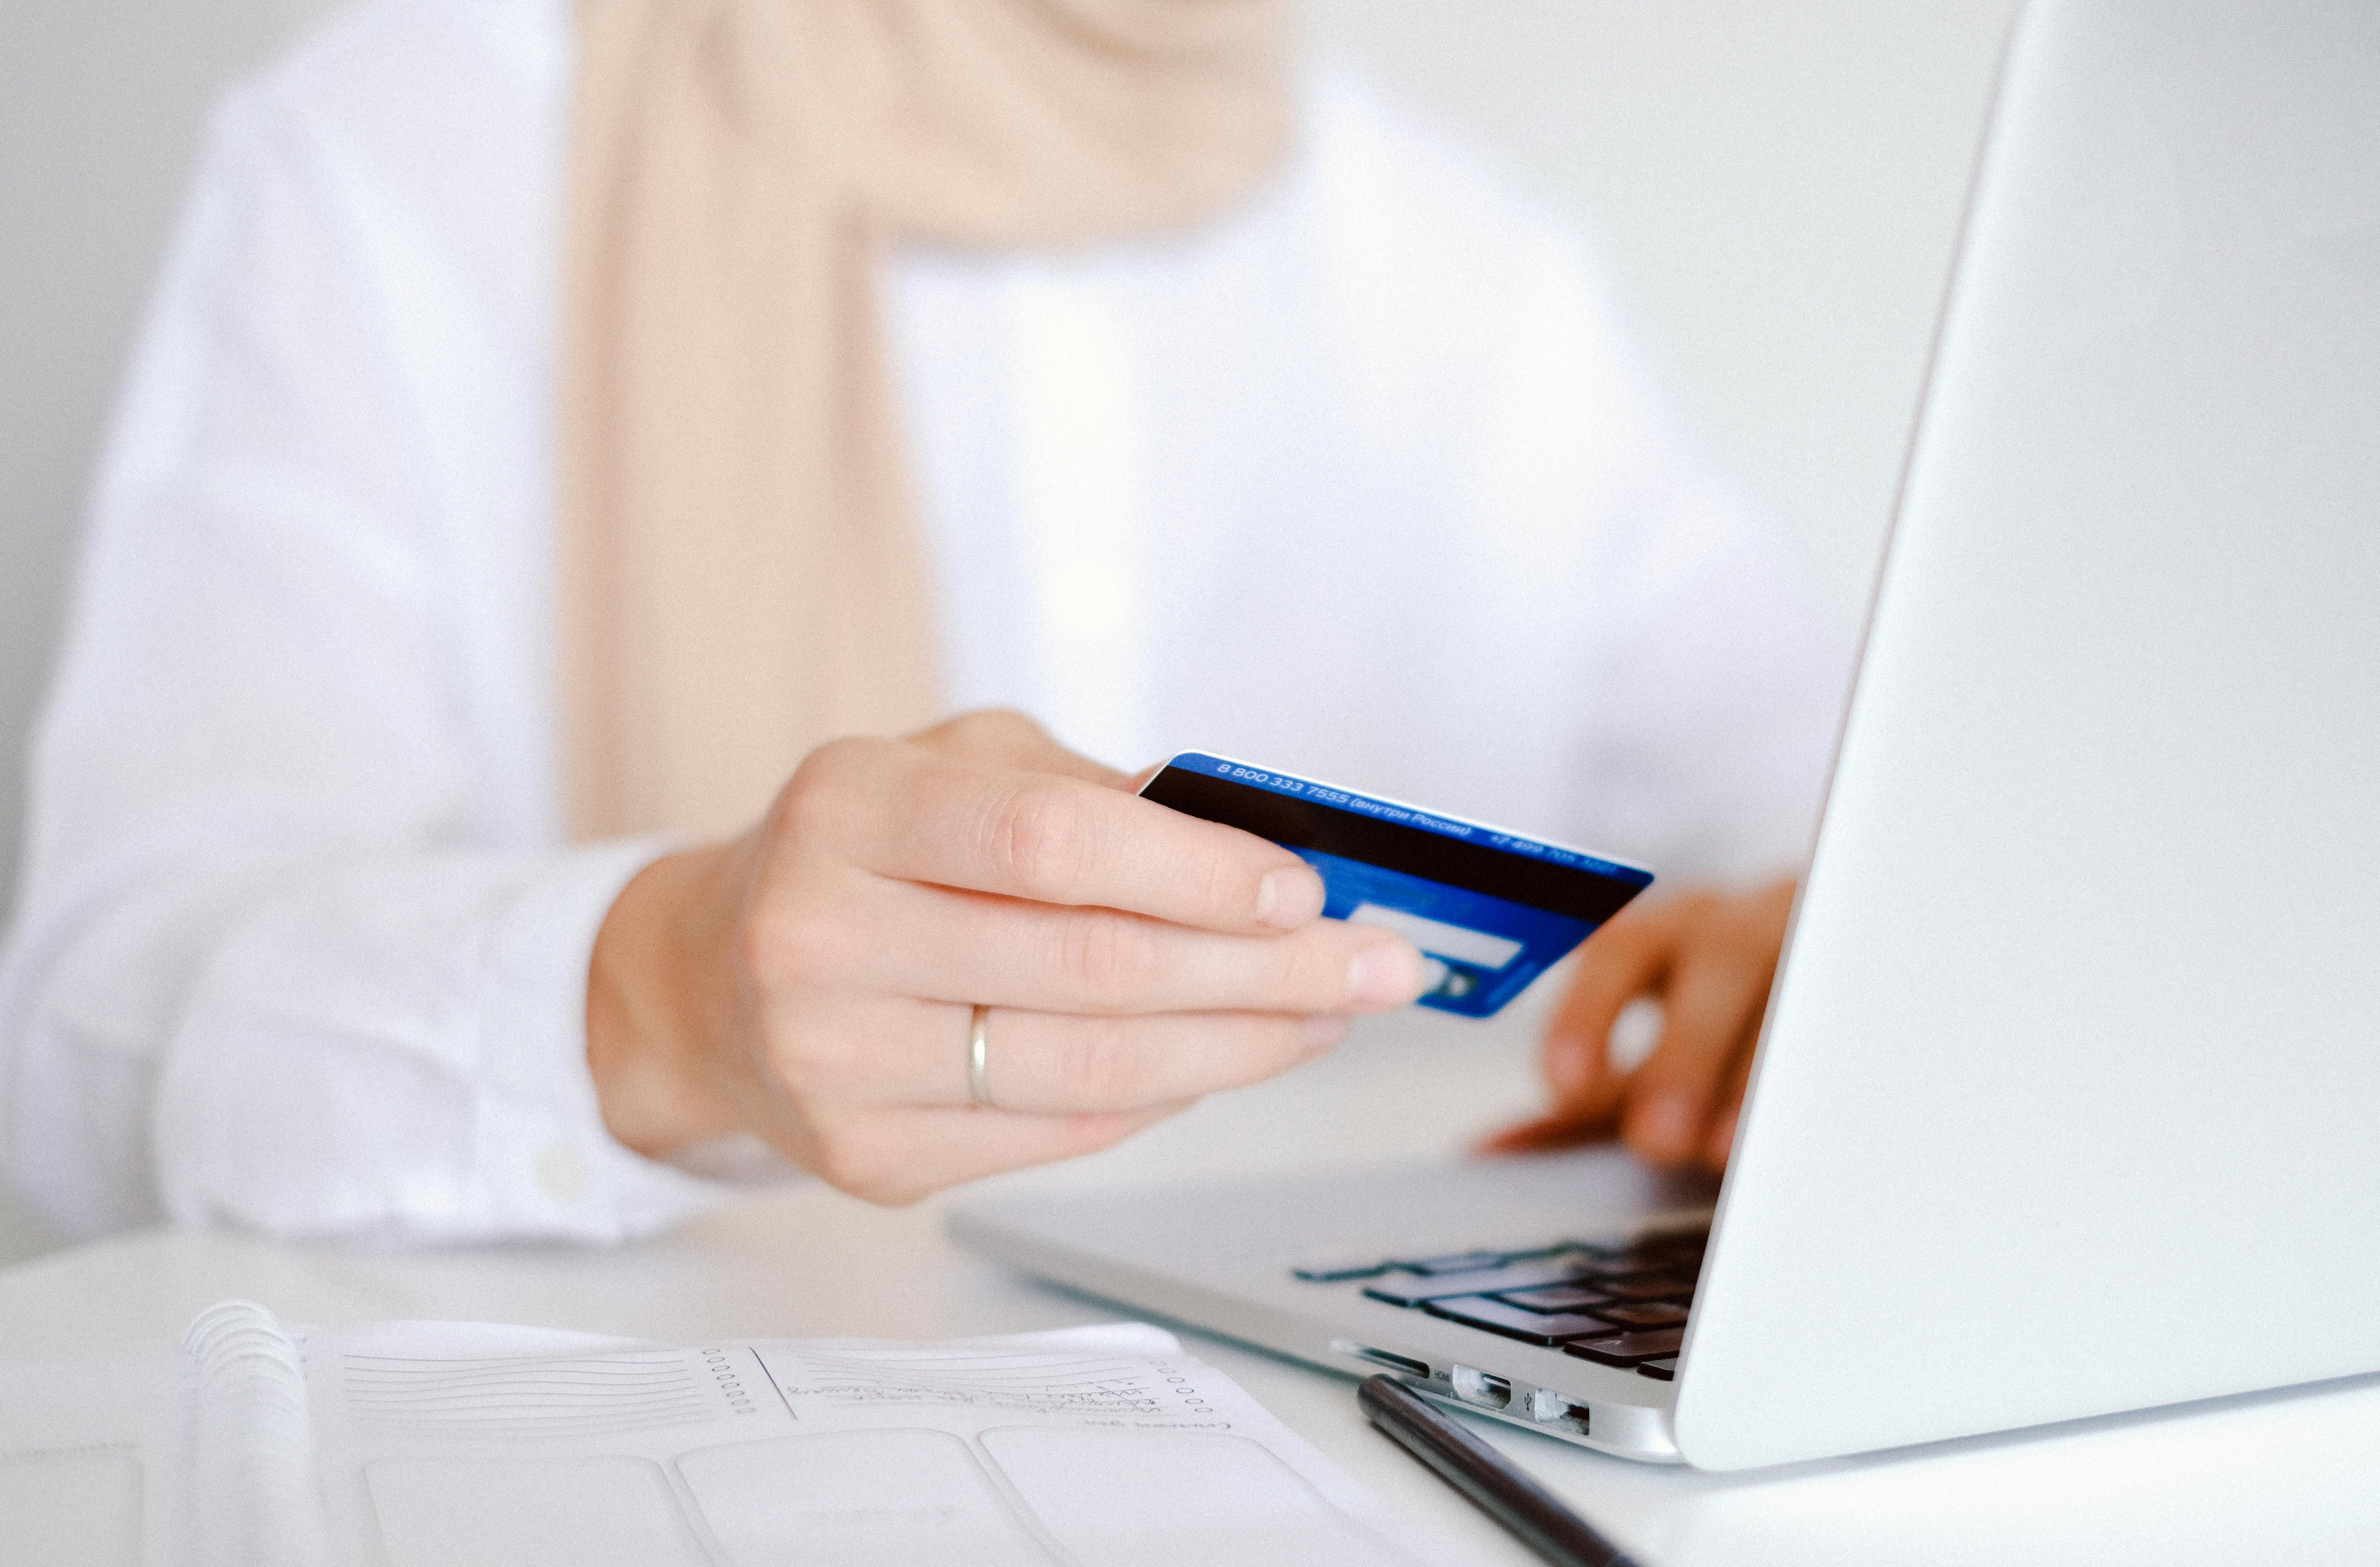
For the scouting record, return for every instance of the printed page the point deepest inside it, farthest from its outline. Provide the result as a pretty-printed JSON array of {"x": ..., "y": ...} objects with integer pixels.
[
  {"x": 88, "y": 1451},
  {"x": 202, "y": 1458},
  {"x": 463, "y": 1446}
]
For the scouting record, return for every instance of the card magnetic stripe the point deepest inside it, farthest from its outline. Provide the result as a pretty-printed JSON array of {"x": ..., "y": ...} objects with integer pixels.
[{"x": 1588, "y": 895}]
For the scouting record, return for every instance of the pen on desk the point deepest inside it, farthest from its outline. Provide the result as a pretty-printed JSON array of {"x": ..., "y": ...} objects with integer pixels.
[{"x": 1529, "y": 1511}]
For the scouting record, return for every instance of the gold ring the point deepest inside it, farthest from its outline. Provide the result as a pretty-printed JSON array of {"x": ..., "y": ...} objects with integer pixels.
[{"x": 978, "y": 1078}]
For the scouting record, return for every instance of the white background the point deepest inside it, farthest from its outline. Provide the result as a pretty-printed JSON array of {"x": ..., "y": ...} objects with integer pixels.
[{"x": 1774, "y": 186}]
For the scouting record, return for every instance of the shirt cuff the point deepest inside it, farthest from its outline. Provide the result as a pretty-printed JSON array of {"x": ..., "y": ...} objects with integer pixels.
[{"x": 547, "y": 1165}]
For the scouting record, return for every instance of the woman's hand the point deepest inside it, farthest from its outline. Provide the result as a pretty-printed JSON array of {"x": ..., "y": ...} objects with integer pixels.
[
  {"x": 813, "y": 980},
  {"x": 1707, "y": 958}
]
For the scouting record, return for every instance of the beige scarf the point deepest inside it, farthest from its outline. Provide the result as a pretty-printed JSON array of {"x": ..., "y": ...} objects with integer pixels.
[{"x": 741, "y": 576}]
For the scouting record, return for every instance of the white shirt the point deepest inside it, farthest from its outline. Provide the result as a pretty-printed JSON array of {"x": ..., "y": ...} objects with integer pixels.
[{"x": 1359, "y": 481}]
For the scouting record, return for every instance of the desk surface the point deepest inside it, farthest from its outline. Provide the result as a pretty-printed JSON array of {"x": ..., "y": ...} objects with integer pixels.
[{"x": 2285, "y": 1477}]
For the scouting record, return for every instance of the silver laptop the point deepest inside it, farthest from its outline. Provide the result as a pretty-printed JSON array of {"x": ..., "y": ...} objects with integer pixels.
[{"x": 2068, "y": 1100}]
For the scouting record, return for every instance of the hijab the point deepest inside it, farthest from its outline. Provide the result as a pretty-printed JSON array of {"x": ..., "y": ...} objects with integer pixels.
[{"x": 741, "y": 572}]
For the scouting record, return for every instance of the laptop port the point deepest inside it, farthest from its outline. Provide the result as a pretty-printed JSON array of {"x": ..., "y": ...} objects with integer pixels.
[
  {"x": 1548, "y": 1407},
  {"x": 1477, "y": 1387},
  {"x": 1405, "y": 1364}
]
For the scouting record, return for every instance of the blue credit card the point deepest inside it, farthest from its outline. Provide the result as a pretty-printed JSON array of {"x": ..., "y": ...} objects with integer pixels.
[{"x": 1490, "y": 910}]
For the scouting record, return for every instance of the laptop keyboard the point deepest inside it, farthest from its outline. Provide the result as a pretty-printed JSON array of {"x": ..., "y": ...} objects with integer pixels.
[{"x": 1623, "y": 1305}]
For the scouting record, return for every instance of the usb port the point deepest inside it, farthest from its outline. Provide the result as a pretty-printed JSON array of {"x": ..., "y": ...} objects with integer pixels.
[
  {"x": 1477, "y": 1387},
  {"x": 1405, "y": 1364},
  {"x": 1548, "y": 1407}
]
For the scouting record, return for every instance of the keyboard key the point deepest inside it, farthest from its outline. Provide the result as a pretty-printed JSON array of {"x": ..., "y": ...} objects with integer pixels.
[
  {"x": 1635, "y": 1265},
  {"x": 1669, "y": 1258},
  {"x": 1465, "y": 1263},
  {"x": 1417, "y": 1292},
  {"x": 1630, "y": 1349},
  {"x": 1516, "y": 1322},
  {"x": 1538, "y": 1254},
  {"x": 1646, "y": 1245},
  {"x": 1640, "y": 1313},
  {"x": 1519, "y": 1276},
  {"x": 1557, "y": 1297},
  {"x": 1340, "y": 1273},
  {"x": 1598, "y": 1248},
  {"x": 1659, "y": 1371},
  {"x": 1648, "y": 1286}
]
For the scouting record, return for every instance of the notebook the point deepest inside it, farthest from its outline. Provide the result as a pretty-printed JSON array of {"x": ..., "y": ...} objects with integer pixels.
[{"x": 472, "y": 1445}]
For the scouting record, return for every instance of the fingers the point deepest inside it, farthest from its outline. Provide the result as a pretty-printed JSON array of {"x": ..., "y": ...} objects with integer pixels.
[
  {"x": 901, "y": 1155},
  {"x": 1712, "y": 1001},
  {"x": 1052, "y": 1063},
  {"x": 1622, "y": 963},
  {"x": 1100, "y": 963},
  {"x": 916, "y": 815},
  {"x": 1718, "y": 1142},
  {"x": 1716, "y": 995},
  {"x": 1709, "y": 961},
  {"x": 1560, "y": 1131},
  {"x": 904, "y": 941},
  {"x": 1628, "y": 958}
]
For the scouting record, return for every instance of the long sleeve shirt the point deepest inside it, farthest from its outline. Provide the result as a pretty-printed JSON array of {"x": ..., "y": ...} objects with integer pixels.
[{"x": 1359, "y": 480}]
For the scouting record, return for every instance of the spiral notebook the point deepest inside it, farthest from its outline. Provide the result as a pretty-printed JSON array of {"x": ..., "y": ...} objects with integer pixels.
[{"x": 411, "y": 1444}]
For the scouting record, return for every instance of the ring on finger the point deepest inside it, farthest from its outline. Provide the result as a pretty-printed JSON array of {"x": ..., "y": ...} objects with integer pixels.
[{"x": 978, "y": 1065}]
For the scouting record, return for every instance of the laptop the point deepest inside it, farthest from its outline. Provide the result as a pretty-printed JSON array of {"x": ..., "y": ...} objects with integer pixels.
[{"x": 2068, "y": 1101}]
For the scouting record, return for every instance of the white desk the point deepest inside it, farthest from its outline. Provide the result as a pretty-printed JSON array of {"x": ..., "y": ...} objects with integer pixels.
[{"x": 2285, "y": 1478}]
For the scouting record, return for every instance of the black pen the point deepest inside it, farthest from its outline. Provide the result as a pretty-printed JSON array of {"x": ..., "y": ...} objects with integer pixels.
[{"x": 1533, "y": 1514}]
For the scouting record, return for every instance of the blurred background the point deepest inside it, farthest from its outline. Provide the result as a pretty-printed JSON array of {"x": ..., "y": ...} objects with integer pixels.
[{"x": 1774, "y": 186}]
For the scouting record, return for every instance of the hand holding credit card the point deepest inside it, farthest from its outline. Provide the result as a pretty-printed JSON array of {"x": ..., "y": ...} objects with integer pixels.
[{"x": 1490, "y": 910}]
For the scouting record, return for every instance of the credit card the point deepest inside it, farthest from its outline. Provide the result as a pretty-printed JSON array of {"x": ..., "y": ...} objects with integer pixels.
[{"x": 1490, "y": 910}]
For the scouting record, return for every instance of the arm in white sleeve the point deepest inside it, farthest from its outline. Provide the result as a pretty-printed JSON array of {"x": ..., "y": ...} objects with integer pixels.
[
  {"x": 277, "y": 962},
  {"x": 1721, "y": 687},
  {"x": 1709, "y": 671}
]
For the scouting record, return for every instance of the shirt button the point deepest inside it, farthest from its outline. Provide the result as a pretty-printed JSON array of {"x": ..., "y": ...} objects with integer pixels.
[{"x": 562, "y": 1174}]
